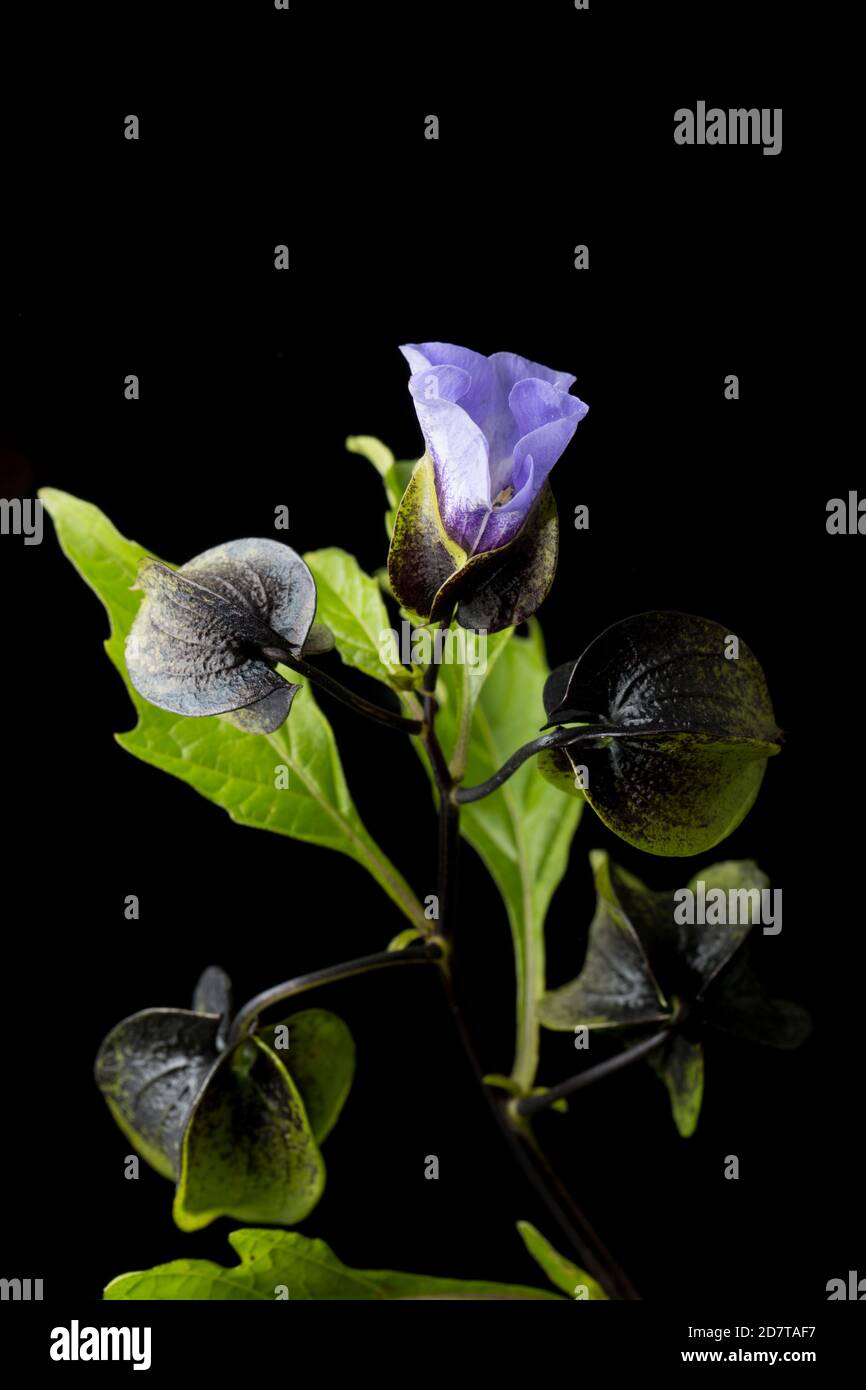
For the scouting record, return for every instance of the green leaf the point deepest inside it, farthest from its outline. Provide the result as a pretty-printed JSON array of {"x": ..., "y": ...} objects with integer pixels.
[
  {"x": 350, "y": 604},
  {"x": 283, "y": 1264},
  {"x": 523, "y": 830},
  {"x": 248, "y": 1149},
  {"x": 394, "y": 474},
  {"x": 564, "y": 1275},
  {"x": 679, "y": 1063},
  {"x": 377, "y": 453},
  {"x": 459, "y": 686},
  {"x": 616, "y": 987},
  {"x": 681, "y": 731},
  {"x": 234, "y": 769},
  {"x": 321, "y": 1059}
]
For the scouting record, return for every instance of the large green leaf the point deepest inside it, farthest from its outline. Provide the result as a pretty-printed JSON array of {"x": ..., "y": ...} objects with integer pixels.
[
  {"x": 282, "y": 1264},
  {"x": 523, "y": 830},
  {"x": 350, "y": 603},
  {"x": 234, "y": 769},
  {"x": 458, "y": 689},
  {"x": 562, "y": 1273}
]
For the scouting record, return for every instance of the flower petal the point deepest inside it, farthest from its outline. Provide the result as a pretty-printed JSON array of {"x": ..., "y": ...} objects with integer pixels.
[
  {"x": 458, "y": 449},
  {"x": 421, "y": 355},
  {"x": 546, "y": 418},
  {"x": 445, "y": 383},
  {"x": 485, "y": 399},
  {"x": 534, "y": 402},
  {"x": 490, "y": 424},
  {"x": 512, "y": 372},
  {"x": 511, "y": 368},
  {"x": 553, "y": 417}
]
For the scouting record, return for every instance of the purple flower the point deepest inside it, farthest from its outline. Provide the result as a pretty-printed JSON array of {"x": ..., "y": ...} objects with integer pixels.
[{"x": 494, "y": 428}]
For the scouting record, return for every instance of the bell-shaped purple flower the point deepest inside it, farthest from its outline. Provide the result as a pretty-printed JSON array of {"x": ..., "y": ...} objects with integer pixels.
[
  {"x": 494, "y": 427},
  {"x": 476, "y": 531}
]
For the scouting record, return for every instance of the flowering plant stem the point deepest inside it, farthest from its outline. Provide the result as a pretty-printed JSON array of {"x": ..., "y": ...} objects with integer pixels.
[
  {"x": 590, "y": 1250},
  {"x": 511, "y": 1115}
]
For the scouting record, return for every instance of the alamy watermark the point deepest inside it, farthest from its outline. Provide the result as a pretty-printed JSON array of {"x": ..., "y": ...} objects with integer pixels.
[
  {"x": 21, "y": 516},
  {"x": 716, "y": 907},
  {"x": 76, "y": 1343},
  {"x": 423, "y": 646},
  {"x": 21, "y": 1290},
  {"x": 853, "y": 1289},
  {"x": 736, "y": 126},
  {"x": 847, "y": 518}
]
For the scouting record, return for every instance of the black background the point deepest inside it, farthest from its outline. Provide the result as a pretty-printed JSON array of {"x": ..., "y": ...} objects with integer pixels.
[{"x": 156, "y": 258}]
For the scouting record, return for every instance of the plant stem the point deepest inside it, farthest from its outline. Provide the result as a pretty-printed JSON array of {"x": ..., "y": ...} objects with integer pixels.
[
  {"x": 449, "y": 848},
  {"x": 449, "y": 812},
  {"x": 424, "y": 953},
  {"x": 438, "y": 761},
  {"x": 594, "y": 1255},
  {"x": 591, "y": 1252},
  {"x": 558, "y": 738},
  {"x": 530, "y": 1105},
  {"x": 387, "y": 717}
]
